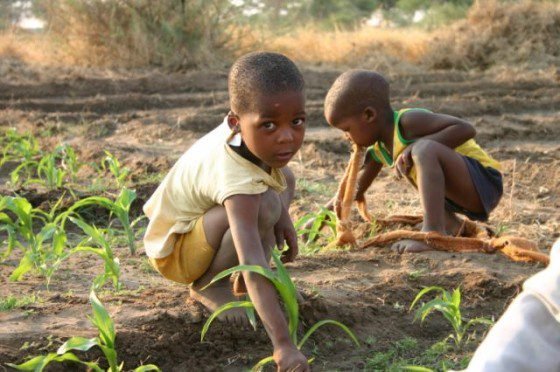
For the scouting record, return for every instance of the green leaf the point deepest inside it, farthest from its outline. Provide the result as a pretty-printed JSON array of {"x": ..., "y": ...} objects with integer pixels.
[
  {"x": 324, "y": 322},
  {"x": 38, "y": 363},
  {"x": 288, "y": 293},
  {"x": 416, "y": 369},
  {"x": 263, "y": 362},
  {"x": 250, "y": 311},
  {"x": 477, "y": 321},
  {"x": 267, "y": 273},
  {"x": 147, "y": 367},
  {"x": 24, "y": 266},
  {"x": 423, "y": 292},
  {"x": 102, "y": 321},
  {"x": 221, "y": 309},
  {"x": 456, "y": 297},
  {"x": 78, "y": 343},
  {"x": 92, "y": 231}
]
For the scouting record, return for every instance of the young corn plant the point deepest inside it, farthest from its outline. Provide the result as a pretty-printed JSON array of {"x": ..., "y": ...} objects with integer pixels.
[
  {"x": 17, "y": 147},
  {"x": 449, "y": 305},
  {"x": 8, "y": 227},
  {"x": 44, "y": 250},
  {"x": 312, "y": 230},
  {"x": 105, "y": 341},
  {"x": 288, "y": 293},
  {"x": 49, "y": 172},
  {"x": 95, "y": 237},
  {"x": 69, "y": 161},
  {"x": 112, "y": 164},
  {"x": 28, "y": 168},
  {"x": 120, "y": 208}
]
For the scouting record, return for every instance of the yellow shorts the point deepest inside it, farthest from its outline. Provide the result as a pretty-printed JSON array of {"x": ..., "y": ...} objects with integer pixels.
[{"x": 191, "y": 257}]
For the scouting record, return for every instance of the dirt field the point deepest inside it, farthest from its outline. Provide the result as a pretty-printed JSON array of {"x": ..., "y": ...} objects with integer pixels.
[{"x": 148, "y": 119}]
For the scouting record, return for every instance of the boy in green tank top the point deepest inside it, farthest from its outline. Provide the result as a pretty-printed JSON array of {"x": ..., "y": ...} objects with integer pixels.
[{"x": 435, "y": 152}]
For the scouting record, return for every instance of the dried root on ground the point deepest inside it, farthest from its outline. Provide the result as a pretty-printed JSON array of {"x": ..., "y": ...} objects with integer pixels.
[
  {"x": 345, "y": 197},
  {"x": 518, "y": 249}
]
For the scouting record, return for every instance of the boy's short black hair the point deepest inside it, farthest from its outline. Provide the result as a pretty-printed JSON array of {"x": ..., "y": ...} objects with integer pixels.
[
  {"x": 354, "y": 90},
  {"x": 261, "y": 73}
]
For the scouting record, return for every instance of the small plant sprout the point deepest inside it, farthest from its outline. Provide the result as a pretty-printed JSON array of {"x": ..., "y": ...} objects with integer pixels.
[
  {"x": 448, "y": 304},
  {"x": 288, "y": 293},
  {"x": 120, "y": 208},
  {"x": 112, "y": 164},
  {"x": 38, "y": 253},
  {"x": 17, "y": 147},
  {"x": 95, "y": 237},
  {"x": 69, "y": 161},
  {"x": 49, "y": 172},
  {"x": 105, "y": 341},
  {"x": 312, "y": 232}
]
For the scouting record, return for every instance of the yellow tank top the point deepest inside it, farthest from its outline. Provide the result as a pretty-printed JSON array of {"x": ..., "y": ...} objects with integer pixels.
[{"x": 380, "y": 153}]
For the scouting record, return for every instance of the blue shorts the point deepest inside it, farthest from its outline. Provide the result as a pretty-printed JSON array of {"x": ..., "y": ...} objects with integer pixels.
[{"x": 488, "y": 184}]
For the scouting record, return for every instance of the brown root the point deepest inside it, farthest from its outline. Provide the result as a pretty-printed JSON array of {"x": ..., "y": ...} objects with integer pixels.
[
  {"x": 518, "y": 249},
  {"x": 362, "y": 209},
  {"x": 345, "y": 198}
]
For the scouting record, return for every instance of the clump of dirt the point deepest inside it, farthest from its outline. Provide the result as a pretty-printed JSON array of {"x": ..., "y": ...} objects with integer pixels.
[{"x": 500, "y": 33}]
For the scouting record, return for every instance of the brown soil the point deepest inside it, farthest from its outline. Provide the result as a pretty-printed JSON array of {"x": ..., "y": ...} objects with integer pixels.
[{"x": 148, "y": 119}]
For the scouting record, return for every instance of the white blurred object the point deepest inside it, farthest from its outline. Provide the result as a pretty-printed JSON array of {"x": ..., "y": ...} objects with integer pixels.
[
  {"x": 31, "y": 23},
  {"x": 527, "y": 336}
]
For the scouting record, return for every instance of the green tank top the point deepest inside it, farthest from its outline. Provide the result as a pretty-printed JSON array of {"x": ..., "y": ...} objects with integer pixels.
[{"x": 381, "y": 154}]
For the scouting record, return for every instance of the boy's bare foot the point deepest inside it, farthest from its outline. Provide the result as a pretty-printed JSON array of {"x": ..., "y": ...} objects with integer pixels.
[
  {"x": 410, "y": 246},
  {"x": 453, "y": 224},
  {"x": 217, "y": 295}
]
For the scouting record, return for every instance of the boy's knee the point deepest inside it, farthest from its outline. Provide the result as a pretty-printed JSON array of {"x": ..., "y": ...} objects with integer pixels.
[
  {"x": 269, "y": 210},
  {"x": 424, "y": 150}
]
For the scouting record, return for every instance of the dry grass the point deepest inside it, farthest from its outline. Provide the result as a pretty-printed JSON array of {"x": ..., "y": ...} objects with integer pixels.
[
  {"x": 30, "y": 48},
  {"x": 368, "y": 45},
  {"x": 497, "y": 33},
  {"x": 521, "y": 34}
]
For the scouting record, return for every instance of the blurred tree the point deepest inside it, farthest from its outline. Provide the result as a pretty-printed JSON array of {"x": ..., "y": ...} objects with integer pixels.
[
  {"x": 6, "y": 14},
  {"x": 328, "y": 13}
]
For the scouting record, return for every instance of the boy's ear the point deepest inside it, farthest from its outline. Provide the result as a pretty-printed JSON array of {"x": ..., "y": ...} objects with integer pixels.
[
  {"x": 233, "y": 120},
  {"x": 370, "y": 114}
]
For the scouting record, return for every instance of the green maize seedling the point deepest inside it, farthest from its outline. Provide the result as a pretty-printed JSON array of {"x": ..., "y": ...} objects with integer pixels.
[
  {"x": 111, "y": 163},
  {"x": 7, "y": 225},
  {"x": 18, "y": 147},
  {"x": 448, "y": 304},
  {"x": 105, "y": 341},
  {"x": 120, "y": 208},
  {"x": 29, "y": 167},
  {"x": 69, "y": 161},
  {"x": 288, "y": 293},
  {"x": 323, "y": 217},
  {"x": 112, "y": 264},
  {"x": 38, "y": 253},
  {"x": 49, "y": 173}
]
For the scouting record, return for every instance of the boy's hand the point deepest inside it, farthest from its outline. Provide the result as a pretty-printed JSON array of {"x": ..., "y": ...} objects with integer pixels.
[
  {"x": 404, "y": 162},
  {"x": 290, "y": 359},
  {"x": 284, "y": 231}
]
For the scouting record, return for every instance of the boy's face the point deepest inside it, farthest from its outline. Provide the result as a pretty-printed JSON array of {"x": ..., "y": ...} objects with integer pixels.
[
  {"x": 360, "y": 128},
  {"x": 273, "y": 130}
]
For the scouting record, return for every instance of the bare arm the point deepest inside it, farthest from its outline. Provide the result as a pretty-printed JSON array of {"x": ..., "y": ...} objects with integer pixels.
[
  {"x": 369, "y": 172},
  {"x": 242, "y": 211},
  {"x": 445, "y": 129}
]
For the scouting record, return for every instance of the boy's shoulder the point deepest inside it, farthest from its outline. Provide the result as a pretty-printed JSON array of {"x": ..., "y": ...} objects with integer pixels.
[{"x": 412, "y": 113}]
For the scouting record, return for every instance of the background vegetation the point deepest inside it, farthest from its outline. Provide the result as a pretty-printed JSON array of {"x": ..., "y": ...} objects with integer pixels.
[{"x": 460, "y": 34}]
